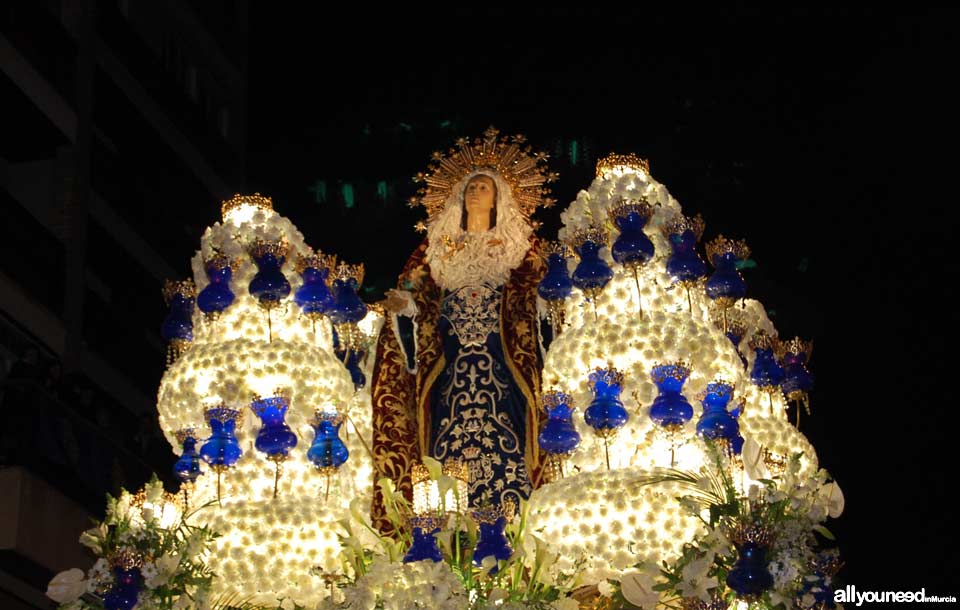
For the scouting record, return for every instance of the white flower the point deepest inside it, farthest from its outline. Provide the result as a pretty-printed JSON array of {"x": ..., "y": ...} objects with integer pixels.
[
  {"x": 637, "y": 588},
  {"x": 605, "y": 589},
  {"x": 67, "y": 586},
  {"x": 567, "y": 603},
  {"x": 163, "y": 569}
]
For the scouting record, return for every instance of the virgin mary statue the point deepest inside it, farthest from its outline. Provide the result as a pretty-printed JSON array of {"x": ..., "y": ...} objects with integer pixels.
[{"x": 458, "y": 364}]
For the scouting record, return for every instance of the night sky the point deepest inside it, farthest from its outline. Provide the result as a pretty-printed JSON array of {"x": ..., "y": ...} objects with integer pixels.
[{"x": 812, "y": 136}]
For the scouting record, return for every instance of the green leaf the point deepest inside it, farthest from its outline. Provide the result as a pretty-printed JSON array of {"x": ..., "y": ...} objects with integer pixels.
[{"x": 824, "y": 532}]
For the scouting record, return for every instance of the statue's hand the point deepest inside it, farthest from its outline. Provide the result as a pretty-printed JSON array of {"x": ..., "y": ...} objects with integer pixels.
[{"x": 396, "y": 301}]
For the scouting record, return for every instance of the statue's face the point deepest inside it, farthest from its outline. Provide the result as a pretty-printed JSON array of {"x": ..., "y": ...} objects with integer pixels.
[{"x": 480, "y": 195}]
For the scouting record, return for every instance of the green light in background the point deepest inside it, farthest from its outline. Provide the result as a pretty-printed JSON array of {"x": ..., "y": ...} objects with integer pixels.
[
  {"x": 574, "y": 152},
  {"x": 804, "y": 264},
  {"x": 319, "y": 190},
  {"x": 747, "y": 264},
  {"x": 348, "y": 196},
  {"x": 406, "y": 126},
  {"x": 382, "y": 190},
  {"x": 446, "y": 124}
]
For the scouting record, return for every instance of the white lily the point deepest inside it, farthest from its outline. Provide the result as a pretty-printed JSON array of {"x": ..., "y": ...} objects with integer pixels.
[{"x": 67, "y": 586}]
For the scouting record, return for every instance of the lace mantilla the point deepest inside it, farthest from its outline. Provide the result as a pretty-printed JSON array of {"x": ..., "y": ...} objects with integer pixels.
[{"x": 459, "y": 258}]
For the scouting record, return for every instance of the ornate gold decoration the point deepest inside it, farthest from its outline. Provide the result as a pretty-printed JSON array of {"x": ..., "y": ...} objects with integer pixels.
[
  {"x": 184, "y": 288},
  {"x": 346, "y": 272},
  {"x": 595, "y": 234},
  {"x": 678, "y": 370},
  {"x": 609, "y": 375},
  {"x": 755, "y": 532},
  {"x": 553, "y": 398},
  {"x": 626, "y": 205},
  {"x": 260, "y": 247},
  {"x": 680, "y": 223},
  {"x": 125, "y": 560},
  {"x": 237, "y": 201},
  {"x": 184, "y": 433},
  {"x": 559, "y": 248},
  {"x": 221, "y": 413},
  {"x": 761, "y": 340},
  {"x": 316, "y": 260},
  {"x": 797, "y": 346},
  {"x": 456, "y": 469},
  {"x": 219, "y": 260},
  {"x": 490, "y": 513},
  {"x": 517, "y": 165},
  {"x": 614, "y": 162},
  {"x": 721, "y": 245}
]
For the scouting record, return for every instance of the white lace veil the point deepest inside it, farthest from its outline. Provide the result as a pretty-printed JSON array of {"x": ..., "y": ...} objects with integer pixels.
[{"x": 477, "y": 261}]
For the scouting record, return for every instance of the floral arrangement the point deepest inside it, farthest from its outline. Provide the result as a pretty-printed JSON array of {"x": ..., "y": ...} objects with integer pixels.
[
  {"x": 380, "y": 579},
  {"x": 760, "y": 548},
  {"x": 148, "y": 557}
]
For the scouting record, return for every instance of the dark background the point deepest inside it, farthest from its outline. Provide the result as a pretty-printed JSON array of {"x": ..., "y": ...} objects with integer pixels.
[{"x": 822, "y": 137}]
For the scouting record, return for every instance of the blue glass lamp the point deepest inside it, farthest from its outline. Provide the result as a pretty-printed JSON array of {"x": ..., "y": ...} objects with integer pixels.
[
  {"x": 424, "y": 530},
  {"x": 556, "y": 285},
  {"x": 558, "y": 438},
  {"x": 671, "y": 410},
  {"x": 492, "y": 540},
  {"x": 716, "y": 422},
  {"x": 177, "y": 327},
  {"x": 127, "y": 581},
  {"x": 216, "y": 297},
  {"x": 313, "y": 296},
  {"x": 726, "y": 285},
  {"x": 749, "y": 577},
  {"x": 797, "y": 378},
  {"x": 187, "y": 466},
  {"x": 732, "y": 323},
  {"x": 275, "y": 437},
  {"x": 632, "y": 248},
  {"x": 327, "y": 452},
  {"x": 824, "y": 566},
  {"x": 592, "y": 273},
  {"x": 347, "y": 308},
  {"x": 221, "y": 450},
  {"x": 684, "y": 264},
  {"x": 269, "y": 286},
  {"x": 767, "y": 373},
  {"x": 606, "y": 413}
]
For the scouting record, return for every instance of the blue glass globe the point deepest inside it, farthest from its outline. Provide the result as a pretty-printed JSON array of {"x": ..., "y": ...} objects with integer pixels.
[
  {"x": 492, "y": 540},
  {"x": 556, "y": 284},
  {"x": 767, "y": 373},
  {"x": 592, "y": 273},
  {"x": 178, "y": 323},
  {"x": 327, "y": 452},
  {"x": 716, "y": 422},
  {"x": 275, "y": 437},
  {"x": 221, "y": 450},
  {"x": 313, "y": 297},
  {"x": 347, "y": 306},
  {"x": 125, "y": 591},
  {"x": 187, "y": 466},
  {"x": 749, "y": 576},
  {"x": 558, "y": 436},
  {"x": 726, "y": 285},
  {"x": 269, "y": 286},
  {"x": 670, "y": 408},
  {"x": 606, "y": 413},
  {"x": 424, "y": 530},
  {"x": 632, "y": 247},
  {"x": 216, "y": 297}
]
